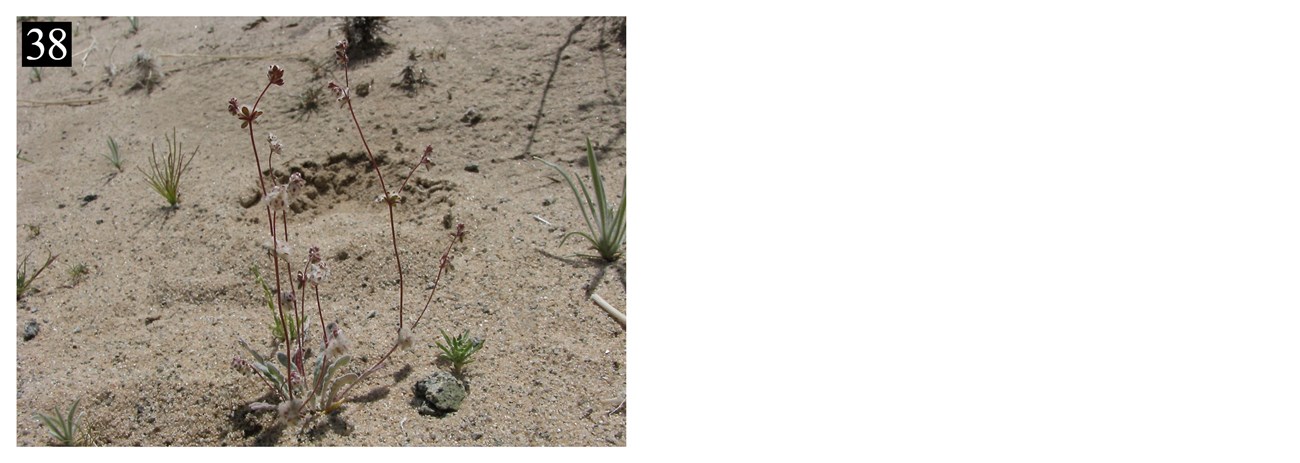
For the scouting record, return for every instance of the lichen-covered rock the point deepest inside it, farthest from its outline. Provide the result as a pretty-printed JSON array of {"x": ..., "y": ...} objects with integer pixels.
[{"x": 439, "y": 393}]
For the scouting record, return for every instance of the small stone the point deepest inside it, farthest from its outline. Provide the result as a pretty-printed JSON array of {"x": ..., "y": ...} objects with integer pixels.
[
  {"x": 31, "y": 330},
  {"x": 548, "y": 202},
  {"x": 439, "y": 393},
  {"x": 472, "y": 116},
  {"x": 372, "y": 314},
  {"x": 471, "y": 167}
]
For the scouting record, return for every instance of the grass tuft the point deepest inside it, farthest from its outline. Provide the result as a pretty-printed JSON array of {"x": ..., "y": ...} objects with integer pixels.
[
  {"x": 112, "y": 155},
  {"x": 78, "y": 273},
  {"x": 606, "y": 225},
  {"x": 25, "y": 280},
  {"x": 64, "y": 428},
  {"x": 165, "y": 175}
]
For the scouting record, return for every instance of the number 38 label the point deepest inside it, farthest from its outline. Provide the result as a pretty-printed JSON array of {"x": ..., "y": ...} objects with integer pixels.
[{"x": 47, "y": 44}]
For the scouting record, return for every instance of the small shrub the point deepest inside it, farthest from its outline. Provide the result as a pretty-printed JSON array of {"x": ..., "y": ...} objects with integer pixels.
[
  {"x": 165, "y": 175},
  {"x": 411, "y": 80},
  {"x": 363, "y": 36}
]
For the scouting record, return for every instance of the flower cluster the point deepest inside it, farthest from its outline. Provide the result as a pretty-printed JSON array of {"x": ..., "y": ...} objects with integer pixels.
[
  {"x": 282, "y": 247},
  {"x": 241, "y": 365},
  {"x": 317, "y": 269},
  {"x": 274, "y": 141},
  {"x": 338, "y": 344},
  {"x": 281, "y": 196},
  {"x": 427, "y": 157},
  {"x": 341, "y": 52},
  {"x": 275, "y": 74},
  {"x": 392, "y": 198},
  {"x": 341, "y": 93}
]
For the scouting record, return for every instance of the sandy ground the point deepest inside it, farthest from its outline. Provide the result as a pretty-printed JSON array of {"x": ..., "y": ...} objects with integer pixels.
[{"x": 146, "y": 338}]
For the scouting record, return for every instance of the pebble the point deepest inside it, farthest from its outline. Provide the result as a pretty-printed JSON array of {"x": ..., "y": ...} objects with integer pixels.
[
  {"x": 31, "y": 330},
  {"x": 471, "y": 168}
]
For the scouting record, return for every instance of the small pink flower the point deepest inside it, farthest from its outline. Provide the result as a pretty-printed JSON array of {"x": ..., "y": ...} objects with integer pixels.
[{"x": 234, "y": 106}]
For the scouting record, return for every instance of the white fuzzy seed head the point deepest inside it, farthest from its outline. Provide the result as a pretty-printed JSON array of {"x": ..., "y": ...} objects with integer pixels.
[
  {"x": 404, "y": 338},
  {"x": 338, "y": 346},
  {"x": 289, "y": 411},
  {"x": 277, "y": 198}
]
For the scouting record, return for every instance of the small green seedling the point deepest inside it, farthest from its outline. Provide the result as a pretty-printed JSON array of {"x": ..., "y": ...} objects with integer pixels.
[
  {"x": 112, "y": 155},
  {"x": 296, "y": 324},
  {"x": 25, "y": 280},
  {"x": 64, "y": 427},
  {"x": 606, "y": 226},
  {"x": 458, "y": 349},
  {"x": 165, "y": 176},
  {"x": 78, "y": 273}
]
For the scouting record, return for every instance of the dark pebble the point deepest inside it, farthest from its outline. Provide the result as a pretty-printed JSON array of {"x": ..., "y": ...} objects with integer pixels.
[{"x": 31, "y": 330}]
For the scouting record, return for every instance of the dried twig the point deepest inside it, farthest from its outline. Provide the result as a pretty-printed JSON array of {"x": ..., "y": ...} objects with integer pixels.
[
  {"x": 73, "y": 102},
  {"x": 622, "y": 319}
]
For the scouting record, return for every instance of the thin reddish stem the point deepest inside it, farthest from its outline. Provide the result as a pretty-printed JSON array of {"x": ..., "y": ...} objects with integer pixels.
[
  {"x": 275, "y": 246},
  {"x": 324, "y": 333},
  {"x": 392, "y": 227},
  {"x": 442, "y": 267}
]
